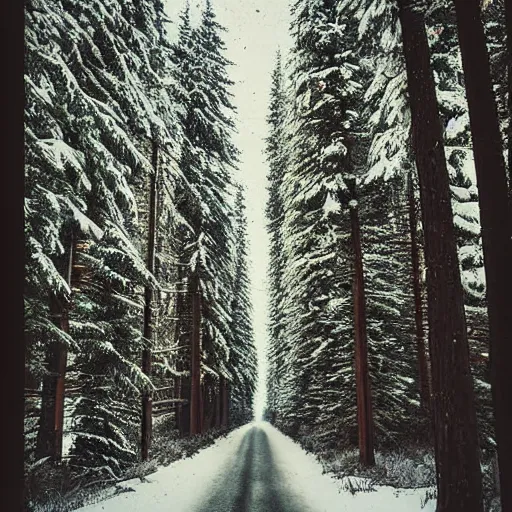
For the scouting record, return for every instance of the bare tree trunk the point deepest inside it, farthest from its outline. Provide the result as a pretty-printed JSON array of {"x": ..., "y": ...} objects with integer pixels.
[
  {"x": 218, "y": 418},
  {"x": 459, "y": 480},
  {"x": 178, "y": 393},
  {"x": 202, "y": 404},
  {"x": 207, "y": 408},
  {"x": 495, "y": 222},
  {"x": 195, "y": 357},
  {"x": 224, "y": 402},
  {"x": 178, "y": 380},
  {"x": 185, "y": 408},
  {"x": 147, "y": 403},
  {"x": 51, "y": 423},
  {"x": 423, "y": 375},
  {"x": 363, "y": 388}
]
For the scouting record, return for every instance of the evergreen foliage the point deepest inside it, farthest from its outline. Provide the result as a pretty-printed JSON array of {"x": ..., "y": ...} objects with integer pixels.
[
  {"x": 348, "y": 113},
  {"x": 106, "y": 89}
]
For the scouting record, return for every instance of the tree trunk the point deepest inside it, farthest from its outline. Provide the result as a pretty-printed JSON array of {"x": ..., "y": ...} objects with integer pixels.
[
  {"x": 218, "y": 418},
  {"x": 459, "y": 480},
  {"x": 147, "y": 403},
  {"x": 495, "y": 222},
  {"x": 363, "y": 388},
  {"x": 184, "y": 425},
  {"x": 423, "y": 375},
  {"x": 178, "y": 393},
  {"x": 207, "y": 408},
  {"x": 178, "y": 380},
  {"x": 51, "y": 422},
  {"x": 195, "y": 356},
  {"x": 224, "y": 402}
]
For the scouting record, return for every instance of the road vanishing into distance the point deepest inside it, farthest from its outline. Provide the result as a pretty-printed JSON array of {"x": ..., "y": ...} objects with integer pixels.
[
  {"x": 254, "y": 468},
  {"x": 252, "y": 481}
]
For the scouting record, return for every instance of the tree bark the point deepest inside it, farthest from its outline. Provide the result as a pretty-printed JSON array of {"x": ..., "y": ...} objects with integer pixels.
[
  {"x": 147, "y": 402},
  {"x": 363, "y": 388},
  {"x": 185, "y": 408},
  {"x": 178, "y": 386},
  {"x": 195, "y": 357},
  {"x": 495, "y": 223},
  {"x": 51, "y": 423},
  {"x": 224, "y": 402},
  {"x": 459, "y": 480},
  {"x": 218, "y": 418},
  {"x": 423, "y": 375}
]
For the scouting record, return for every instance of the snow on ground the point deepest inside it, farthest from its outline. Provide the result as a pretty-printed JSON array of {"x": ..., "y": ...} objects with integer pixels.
[
  {"x": 177, "y": 487},
  {"x": 183, "y": 485},
  {"x": 325, "y": 493}
]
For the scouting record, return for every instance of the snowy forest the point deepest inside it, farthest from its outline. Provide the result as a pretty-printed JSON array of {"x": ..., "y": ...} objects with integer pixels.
[
  {"x": 389, "y": 222},
  {"x": 387, "y": 215},
  {"x": 136, "y": 301}
]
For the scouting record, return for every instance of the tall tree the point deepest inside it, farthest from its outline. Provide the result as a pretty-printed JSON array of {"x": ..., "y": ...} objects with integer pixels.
[
  {"x": 96, "y": 142},
  {"x": 324, "y": 110},
  {"x": 51, "y": 428},
  {"x": 149, "y": 306},
  {"x": 495, "y": 221},
  {"x": 277, "y": 161},
  {"x": 363, "y": 387},
  {"x": 385, "y": 120},
  {"x": 208, "y": 161},
  {"x": 242, "y": 360},
  {"x": 196, "y": 403},
  {"x": 423, "y": 373},
  {"x": 508, "y": 21},
  {"x": 455, "y": 433}
]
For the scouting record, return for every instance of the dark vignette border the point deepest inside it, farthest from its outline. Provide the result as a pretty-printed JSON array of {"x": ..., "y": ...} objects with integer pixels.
[{"x": 11, "y": 243}]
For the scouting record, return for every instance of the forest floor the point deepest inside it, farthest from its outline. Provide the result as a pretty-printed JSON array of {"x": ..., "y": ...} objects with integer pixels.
[{"x": 256, "y": 468}]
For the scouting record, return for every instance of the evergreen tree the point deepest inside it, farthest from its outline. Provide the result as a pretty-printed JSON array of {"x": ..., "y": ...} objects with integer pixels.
[
  {"x": 314, "y": 223},
  {"x": 459, "y": 487},
  {"x": 277, "y": 160},
  {"x": 385, "y": 122},
  {"x": 114, "y": 126},
  {"x": 458, "y": 149},
  {"x": 99, "y": 124},
  {"x": 495, "y": 216},
  {"x": 242, "y": 359},
  {"x": 208, "y": 161}
]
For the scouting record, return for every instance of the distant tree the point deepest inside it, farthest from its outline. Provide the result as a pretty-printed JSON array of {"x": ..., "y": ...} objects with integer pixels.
[
  {"x": 277, "y": 160},
  {"x": 242, "y": 359}
]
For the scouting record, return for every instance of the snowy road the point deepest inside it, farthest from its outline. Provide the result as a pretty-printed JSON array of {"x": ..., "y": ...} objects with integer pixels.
[
  {"x": 253, "y": 469},
  {"x": 252, "y": 481}
]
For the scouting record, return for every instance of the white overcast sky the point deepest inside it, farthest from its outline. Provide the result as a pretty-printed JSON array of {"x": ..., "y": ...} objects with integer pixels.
[{"x": 255, "y": 31}]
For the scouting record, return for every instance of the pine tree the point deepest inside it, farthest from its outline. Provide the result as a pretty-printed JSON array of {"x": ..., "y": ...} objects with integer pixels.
[
  {"x": 314, "y": 222},
  {"x": 242, "y": 359},
  {"x": 508, "y": 21},
  {"x": 453, "y": 111},
  {"x": 108, "y": 125},
  {"x": 99, "y": 130},
  {"x": 455, "y": 433},
  {"x": 208, "y": 160},
  {"x": 494, "y": 215},
  {"x": 385, "y": 137},
  {"x": 276, "y": 158}
]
